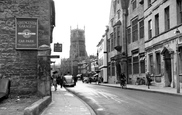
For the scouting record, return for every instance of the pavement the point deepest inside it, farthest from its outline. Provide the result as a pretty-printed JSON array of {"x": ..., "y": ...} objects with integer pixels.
[{"x": 66, "y": 103}]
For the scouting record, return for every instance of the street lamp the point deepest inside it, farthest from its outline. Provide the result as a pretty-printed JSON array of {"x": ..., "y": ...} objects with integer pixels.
[{"x": 177, "y": 32}]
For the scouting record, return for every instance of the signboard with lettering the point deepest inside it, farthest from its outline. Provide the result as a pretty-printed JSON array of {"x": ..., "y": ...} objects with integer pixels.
[
  {"x": 26, "y": 33},
  {"x": 57, "y": 47}
]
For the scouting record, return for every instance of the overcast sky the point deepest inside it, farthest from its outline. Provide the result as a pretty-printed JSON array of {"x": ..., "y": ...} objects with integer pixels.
[{"x": 93, "y": 14}]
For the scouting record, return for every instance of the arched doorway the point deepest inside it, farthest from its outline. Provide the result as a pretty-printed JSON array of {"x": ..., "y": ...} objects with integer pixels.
[{"x": 167, "y": 52}]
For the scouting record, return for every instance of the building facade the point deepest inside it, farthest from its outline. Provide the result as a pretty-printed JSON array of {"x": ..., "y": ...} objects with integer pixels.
[
  {"x": 116, "y": 35},
  {"x": 135, "y": 40},
  {"x": 162, "y": 43},
  {"x": 25, "y": 27},
  {"x": 102, "y": 59}
]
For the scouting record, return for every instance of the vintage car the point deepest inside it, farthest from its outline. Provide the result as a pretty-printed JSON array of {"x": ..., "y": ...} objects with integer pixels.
[{"x": 69, "y": 81}]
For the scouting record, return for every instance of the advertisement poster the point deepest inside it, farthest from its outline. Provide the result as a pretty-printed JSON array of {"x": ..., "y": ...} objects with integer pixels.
[{"x": 26, "y": 33}]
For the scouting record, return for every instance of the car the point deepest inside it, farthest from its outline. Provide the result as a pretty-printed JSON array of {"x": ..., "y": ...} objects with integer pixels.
[
  {"x": 86, "y": 80},
  {"x": 79, "y": 76},
  {"x": 69, "y": 81}
]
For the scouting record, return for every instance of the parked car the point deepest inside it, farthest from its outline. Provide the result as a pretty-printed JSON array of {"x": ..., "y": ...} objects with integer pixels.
[
  {"x": 69, "y": 81},
  {"x": 79, "y": 76},
  {"x": 86, "y": 80}
]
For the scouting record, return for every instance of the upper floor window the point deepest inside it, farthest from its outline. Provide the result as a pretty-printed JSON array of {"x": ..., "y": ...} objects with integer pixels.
[
  {"x": 134, "y": 4},
  {"x": 129, "y": 35},
  {"x": 112, "y": 23},
  {"x": 150, "y": 29},
  {"x": 135, "y": 30},
  {"x": 179, "y": 11},
  {"x": 114, "y": 37},
  {"x": 157, "y": 24},
  {"x": 149, "y": 3},
  {"x": 118, "y": 35},
  {"x": 167, "y": 18},
  {"x": 108, "y": 43},
  {"x": 118, "y": 14},
  {"x": 112, "y": 42},
  {"x": 141, "y": 25}
]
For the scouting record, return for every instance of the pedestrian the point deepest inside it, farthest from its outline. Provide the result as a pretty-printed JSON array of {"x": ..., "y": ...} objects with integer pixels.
[
  {"x": 54, "y": 77},
  {"x": 61, "y": 80},
  {"x": 122, "y": 79},
  {"x": 148, "y": 77}
]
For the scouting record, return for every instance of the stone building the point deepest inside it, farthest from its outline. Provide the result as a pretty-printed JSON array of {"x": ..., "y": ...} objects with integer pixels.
[
  {"x": 135, "y": 40},
  {"x": 26, "y": 27},
  {"x": 162, "y": 44},
  {"x": 77, "y": 48},
  {"x": 116, "y": 35}
]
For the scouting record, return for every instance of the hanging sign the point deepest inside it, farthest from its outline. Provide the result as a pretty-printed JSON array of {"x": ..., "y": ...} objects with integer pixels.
[{"x": 26, "y": 33}]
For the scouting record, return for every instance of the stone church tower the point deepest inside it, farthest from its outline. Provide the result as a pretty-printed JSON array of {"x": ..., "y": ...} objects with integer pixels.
[{"x": 77, "y": 48}]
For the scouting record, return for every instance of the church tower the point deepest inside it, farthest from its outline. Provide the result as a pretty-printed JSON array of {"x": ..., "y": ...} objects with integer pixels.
[{"x": 77, "y": 48}]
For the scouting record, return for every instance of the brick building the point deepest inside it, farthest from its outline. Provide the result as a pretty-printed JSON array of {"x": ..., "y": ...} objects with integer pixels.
[{"x": 19, "y": 58}]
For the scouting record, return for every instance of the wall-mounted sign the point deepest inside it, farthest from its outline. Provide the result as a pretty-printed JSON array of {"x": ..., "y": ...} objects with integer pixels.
[
  {"x": 57, "y": 47},
  {"x": 26, "y": 33}
]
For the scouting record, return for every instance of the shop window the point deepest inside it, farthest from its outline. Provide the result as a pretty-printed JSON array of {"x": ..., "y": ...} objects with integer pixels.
[
  {"x": 142, "y": 64},
  {"x": 135, "y": 65},
  {"x": 151, "y": 64},
  {"x": 113, "y": 69},
  {"x": 129, "y": 66},
  {"x": 158, "y": 63}
]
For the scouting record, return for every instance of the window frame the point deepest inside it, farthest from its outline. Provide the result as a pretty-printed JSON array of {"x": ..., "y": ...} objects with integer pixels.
[
  {"x": 157, "y": 24},
  {"x": 150, "y": 29},
  {"x": 141, "y": 29},
  {"x": 135, "y": 30},
  {"x": 158, "y": 63},
  {"x": 167, "y": 18},
  {"x": 129, "y": 35},
  {"x": 134, "y": 5}
]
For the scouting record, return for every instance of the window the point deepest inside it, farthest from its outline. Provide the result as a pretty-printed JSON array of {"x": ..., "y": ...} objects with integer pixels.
[
  {"x": 142, "y": 65},
  {"x": 118, "y": 14},
  {"x": 157, "y": 24},
  {"x": 150, "y": 29},
  {"x": 109, "y": 46},
  {"x": 141, "y": 24},
  {"x": 112, "y": 23},
  {"x": 109, "y": 69},
  {"x": 118, "y": 35},
  {"x": 180, "y": 60},
  {"x": 114, "y": 44},
  {"x": 151, "y": 67},
  {"x": 158, "y": 63},
  {"x": 129, "y": 66},
  {"x": 113, "y": 69},
  {"x": 149, "y": 3},
  {"x": 129, "y": 35},
  {"x": 179, "y": 11},
  {"x": 135, "y": 65},
  {"x": 134, "y": 4},
  {"x": 167, "y": 19},
  {"x": 135, "y": 30}
]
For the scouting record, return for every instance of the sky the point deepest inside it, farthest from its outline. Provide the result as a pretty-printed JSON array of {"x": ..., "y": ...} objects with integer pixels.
[{"x": 93, "y": 14}]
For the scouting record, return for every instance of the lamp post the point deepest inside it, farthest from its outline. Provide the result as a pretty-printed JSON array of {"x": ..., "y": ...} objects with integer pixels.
[{"x": 177, "y": 32}]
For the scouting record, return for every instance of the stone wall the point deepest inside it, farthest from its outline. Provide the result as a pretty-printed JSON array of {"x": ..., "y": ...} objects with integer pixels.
[{"x": 21, "y": 65}]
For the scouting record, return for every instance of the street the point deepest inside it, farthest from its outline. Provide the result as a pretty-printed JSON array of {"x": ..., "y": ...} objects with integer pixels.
[{"x": 115, "y": 101}]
